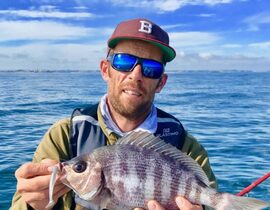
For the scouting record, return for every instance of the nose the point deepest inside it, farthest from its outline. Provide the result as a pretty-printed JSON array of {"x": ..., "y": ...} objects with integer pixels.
[{"x": 136, "y": 73}]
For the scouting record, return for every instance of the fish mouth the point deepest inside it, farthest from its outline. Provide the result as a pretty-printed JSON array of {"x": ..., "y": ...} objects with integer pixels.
[
  {"x": 61, "y": 166},
  {"x": 63, "y": 174}
]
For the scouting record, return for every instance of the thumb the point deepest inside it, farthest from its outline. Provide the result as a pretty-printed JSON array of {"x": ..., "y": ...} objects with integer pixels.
[{"x": 181, "y": 202}]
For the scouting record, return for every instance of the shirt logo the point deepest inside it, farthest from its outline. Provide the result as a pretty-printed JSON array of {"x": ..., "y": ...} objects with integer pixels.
[
  {"x": 146, "y": 27},
  {"x": 168, "y": 133}
]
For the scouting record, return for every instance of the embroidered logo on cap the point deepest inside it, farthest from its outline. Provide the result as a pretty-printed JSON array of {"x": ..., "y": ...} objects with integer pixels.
[{"x": 146, "y": 27}]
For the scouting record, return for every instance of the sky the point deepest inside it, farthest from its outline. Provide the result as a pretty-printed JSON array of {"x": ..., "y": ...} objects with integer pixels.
[{"x": 73, "y": 34}]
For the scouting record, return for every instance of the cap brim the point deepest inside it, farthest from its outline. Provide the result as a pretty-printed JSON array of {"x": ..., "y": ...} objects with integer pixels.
[{"x": 168, "y": 52}]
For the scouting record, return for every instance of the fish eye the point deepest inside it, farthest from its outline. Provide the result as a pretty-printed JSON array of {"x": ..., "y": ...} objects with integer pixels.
[{"x": 79, "y": 167}]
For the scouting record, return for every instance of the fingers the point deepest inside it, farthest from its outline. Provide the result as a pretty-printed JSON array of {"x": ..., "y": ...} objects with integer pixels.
[
  {"x": 37, "y": 183},
  {"x": 42, "y": 195},
  {"x": 32, "y": 177},
  {"x": 34, "y": 184},
  {"x": 154, "y": 205},
  {"x": 184, "y": 204},
  {"x": 29, "y": 170},
  {"x": 39, "y": 199}
]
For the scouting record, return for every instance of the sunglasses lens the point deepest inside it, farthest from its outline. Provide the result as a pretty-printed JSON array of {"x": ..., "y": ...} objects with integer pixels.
[
  {"x": 124, "y": 62},
  {"x": 152, "y": 69}
]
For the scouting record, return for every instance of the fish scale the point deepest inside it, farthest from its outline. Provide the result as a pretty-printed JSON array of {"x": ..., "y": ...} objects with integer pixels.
[
  {"x": 142, "y": 167},
  {"x": 160, "y": 175}
]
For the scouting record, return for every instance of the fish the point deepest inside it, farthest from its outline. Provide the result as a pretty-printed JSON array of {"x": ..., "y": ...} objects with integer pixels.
[{"x": 140, "y": 167}]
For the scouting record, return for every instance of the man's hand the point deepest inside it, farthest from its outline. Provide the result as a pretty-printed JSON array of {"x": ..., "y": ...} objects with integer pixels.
[
  {"x": 181, "y": 202},
  {"x": 33, "y": 183}
]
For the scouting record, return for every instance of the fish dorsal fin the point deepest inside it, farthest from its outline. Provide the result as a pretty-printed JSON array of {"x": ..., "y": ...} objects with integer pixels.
[{"x": 149, "y": 141}]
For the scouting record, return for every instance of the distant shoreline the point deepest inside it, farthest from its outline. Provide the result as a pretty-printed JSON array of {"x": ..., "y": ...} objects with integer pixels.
[{"x": 168, "y": 71}]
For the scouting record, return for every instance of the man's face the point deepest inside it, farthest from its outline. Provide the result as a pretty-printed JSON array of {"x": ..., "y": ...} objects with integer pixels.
[{"x": 130, "y": 94}]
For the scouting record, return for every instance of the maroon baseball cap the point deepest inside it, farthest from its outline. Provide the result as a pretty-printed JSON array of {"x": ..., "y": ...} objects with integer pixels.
[{"x": 145, "y": 30}]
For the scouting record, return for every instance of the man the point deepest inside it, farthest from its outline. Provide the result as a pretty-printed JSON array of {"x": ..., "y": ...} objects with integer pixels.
[{"x": 134, "y": 71}]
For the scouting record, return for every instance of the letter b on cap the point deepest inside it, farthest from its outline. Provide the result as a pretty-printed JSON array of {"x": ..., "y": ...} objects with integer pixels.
[{"x": 146, "y": 27}]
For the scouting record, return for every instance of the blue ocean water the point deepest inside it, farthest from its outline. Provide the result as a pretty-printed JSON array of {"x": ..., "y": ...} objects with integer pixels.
[{"x": 228, "y": 112}]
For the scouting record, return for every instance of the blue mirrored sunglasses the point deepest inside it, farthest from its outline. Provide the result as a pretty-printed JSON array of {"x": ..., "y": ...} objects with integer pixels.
[{"x": 125, "y": 62}]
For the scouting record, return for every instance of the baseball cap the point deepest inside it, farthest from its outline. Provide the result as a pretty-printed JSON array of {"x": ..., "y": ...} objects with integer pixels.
[{"x": 145, "y": 30}]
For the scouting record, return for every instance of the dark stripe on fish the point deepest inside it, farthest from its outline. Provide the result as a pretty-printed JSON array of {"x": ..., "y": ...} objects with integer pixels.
[
  {"x": 174, "y": 184},
  {"x": 157, "y": 178},
  {"x": 188, "y": 187},
  {"x": 198, "y": 193}
]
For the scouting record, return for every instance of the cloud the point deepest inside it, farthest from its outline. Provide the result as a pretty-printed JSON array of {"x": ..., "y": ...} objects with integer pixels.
[
  {"x": 206, "y": 15},
  {"x": 205, "y": 55},
  {"x": 87, "y": 56},
  {"x": 172, "y": 5},
  {"x": 20, "y": 56},
  {"x": 167, "y": 27},
  {"x": 47, "y": 1},
  {"x": 2, "y": 55},
  {"x": 46, "y": 30},
  {"x": 261, "y": 45},
  {"x": 42, "y": 13},
  {"x": 255, "y": 22},
  {"x": 231, "y": 46},
  {"x": 211, "y": 61},
  {"x": 166, "y": 5},
  {"x": 192, "y": 39},
  {"x": 50, "y": 38},
  {"x": 53, "y": 56}
]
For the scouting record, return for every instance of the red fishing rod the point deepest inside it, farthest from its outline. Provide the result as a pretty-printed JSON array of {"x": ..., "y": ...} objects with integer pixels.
[{"x": 254, "y": 184}]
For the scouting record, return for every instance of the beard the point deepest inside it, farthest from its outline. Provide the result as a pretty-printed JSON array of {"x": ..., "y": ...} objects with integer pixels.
[{"x": 130, "y": 109}]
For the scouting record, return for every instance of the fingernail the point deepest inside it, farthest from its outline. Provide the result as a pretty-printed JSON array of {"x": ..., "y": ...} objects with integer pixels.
[
  {"x": 151, "y": 206},
  {"x": 54, "y": 168},
  {"x": 178, "y": 201}
]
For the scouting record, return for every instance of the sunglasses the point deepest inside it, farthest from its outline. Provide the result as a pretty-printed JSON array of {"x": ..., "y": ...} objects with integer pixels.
[{"x": 125, "y": 63}]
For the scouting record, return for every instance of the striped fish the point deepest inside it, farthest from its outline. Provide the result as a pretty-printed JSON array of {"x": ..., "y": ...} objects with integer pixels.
[{"x": 142, "y": 167}]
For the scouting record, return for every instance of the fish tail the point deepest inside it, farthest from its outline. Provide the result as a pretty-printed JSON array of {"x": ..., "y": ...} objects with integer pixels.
[{"x": 233, "y": 202}]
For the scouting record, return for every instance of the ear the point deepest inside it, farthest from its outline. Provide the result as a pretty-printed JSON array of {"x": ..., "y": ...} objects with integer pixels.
[
  {"x": 104, "y": 69},
  {"x": 161, "y": 83}
]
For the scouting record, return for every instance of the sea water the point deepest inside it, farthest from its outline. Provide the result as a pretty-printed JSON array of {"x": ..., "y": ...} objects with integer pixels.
[{"x": 228, "y": 112}]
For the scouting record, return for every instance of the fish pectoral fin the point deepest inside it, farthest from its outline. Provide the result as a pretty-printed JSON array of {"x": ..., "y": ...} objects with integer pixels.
[{"x": 105, "y": 198}]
